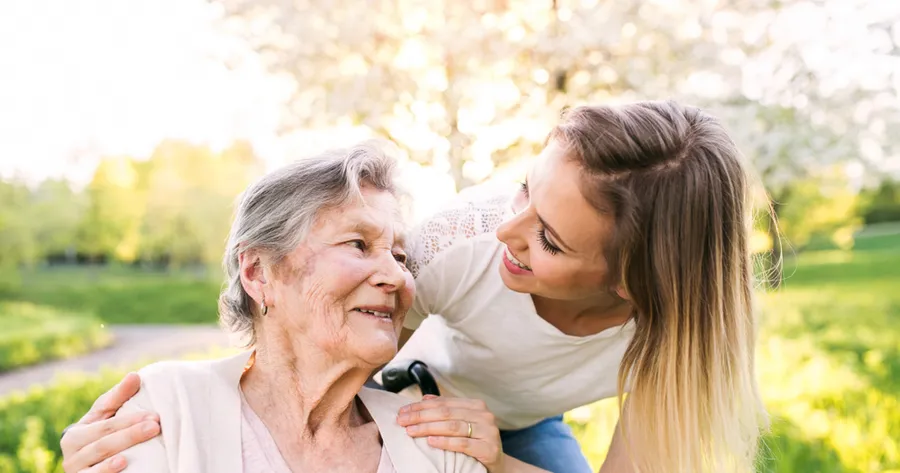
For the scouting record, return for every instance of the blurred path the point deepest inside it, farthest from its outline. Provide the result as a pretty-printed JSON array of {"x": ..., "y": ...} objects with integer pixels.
[{"x": 132, "y": 344}]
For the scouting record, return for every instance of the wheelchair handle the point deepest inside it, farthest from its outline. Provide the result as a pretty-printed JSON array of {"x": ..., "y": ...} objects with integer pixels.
[{"x": 399, "y": 375}]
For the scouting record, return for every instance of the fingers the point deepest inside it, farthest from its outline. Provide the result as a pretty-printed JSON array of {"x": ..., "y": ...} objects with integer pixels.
[
  {"x": 81, "y": 435},
  {"x": 487, "y": 453},
  {"x": 106, "y": 405},
  {"x": 85, "y": 446},
  {"x": 111, "y": 465},
  {"x": 447, "y": 423},
  {"x": 451, "y": 428},
  {"x": 432, "y": 402},
  {"x": 442, "y": 413}
]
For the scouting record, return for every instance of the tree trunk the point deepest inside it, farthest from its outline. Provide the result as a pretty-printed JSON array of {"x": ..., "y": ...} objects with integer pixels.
[{"x": 458, "y": 140}]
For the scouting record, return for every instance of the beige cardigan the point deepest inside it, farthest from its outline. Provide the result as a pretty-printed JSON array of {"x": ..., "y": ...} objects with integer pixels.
[{"x": 199, "y": 406}]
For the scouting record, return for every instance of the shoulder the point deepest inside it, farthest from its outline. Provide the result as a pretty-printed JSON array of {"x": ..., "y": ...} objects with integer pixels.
[
  {"x": 474, "y": 212},
  {"x": 228, "y": 368},
  {"x": 407, "y": 453},
  {"x": 166, "y": 381},
  {"x": 165, "y": 373}
]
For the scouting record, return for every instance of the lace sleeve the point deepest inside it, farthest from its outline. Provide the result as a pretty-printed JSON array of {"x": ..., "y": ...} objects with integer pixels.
[{"x": 462, "y": 221}]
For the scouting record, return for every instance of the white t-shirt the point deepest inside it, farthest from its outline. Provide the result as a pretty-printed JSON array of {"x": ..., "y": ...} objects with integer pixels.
[{"x": 487, "y": 342}]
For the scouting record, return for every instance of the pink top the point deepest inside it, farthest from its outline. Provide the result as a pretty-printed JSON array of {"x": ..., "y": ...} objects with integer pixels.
[{"x": 261, "y": 454}]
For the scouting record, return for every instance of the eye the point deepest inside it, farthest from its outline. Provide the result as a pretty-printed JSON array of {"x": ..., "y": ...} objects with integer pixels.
[
  {"x": 520, "y": 201},
  {"x": 545, "y": 244},
  {"x": 358, "y": 244},
  {"x": 401, "y": 258}
]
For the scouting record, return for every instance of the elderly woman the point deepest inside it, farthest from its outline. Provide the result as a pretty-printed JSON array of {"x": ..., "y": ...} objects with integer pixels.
[{"x": 317, "y": 284}]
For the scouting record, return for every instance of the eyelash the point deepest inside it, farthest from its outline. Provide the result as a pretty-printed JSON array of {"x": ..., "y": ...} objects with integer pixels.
[
  {"x": 545, "y": 244},
  {"x": 541, "y": 233},
  {"x": 399, "y": 257}
]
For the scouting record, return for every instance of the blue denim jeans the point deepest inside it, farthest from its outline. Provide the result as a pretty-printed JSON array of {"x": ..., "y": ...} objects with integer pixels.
[{"x": 549, "y": 444}]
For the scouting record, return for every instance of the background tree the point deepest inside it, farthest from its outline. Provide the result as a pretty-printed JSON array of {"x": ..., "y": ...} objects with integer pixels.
[
  {"x": 190, "y": 198},
  {"x": 111, "y": 224},
  {"x": 468, "y": 86},
  {"x": 16, "y": 245},
  {"x": 58, "y": 210}
]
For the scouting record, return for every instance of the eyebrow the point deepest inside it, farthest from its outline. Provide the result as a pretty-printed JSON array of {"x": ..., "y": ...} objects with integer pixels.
[
  {"x": 364, "y": 227},
  {"x": 368, "y": 228}
]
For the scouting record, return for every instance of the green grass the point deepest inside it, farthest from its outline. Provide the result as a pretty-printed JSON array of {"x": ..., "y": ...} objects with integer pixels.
[
  {"x": 33, "y": 334},
  {"x": 883, "y": 236},
  {"x": 828, "y": 365},
  {"x": 124, "y": 296}
]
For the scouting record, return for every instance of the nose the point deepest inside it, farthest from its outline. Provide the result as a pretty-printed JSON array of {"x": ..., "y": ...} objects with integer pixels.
[
  {"x": 512, "y": 231},
  {"x": 389, "y": 275}
]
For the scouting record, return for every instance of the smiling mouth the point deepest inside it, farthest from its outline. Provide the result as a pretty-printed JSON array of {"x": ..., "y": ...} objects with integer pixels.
[
  {"x": 512, "y": 259},
  {"x": 384, "y": 313}
]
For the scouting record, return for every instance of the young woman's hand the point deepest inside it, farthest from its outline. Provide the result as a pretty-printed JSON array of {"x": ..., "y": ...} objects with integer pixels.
[
  {"x": 457, "y": 425},
  {"x": 92, "y": 445}
]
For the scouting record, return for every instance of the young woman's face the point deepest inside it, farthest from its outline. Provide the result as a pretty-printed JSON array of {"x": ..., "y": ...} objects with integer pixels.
[{"x": 555, "y": 242}]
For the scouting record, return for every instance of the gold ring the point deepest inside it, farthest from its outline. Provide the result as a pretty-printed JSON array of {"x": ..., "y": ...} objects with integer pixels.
[{"x": 470, "y": 430}]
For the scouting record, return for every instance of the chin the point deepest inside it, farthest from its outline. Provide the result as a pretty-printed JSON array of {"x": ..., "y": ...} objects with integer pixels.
[
  {"x": 514, "y": 284},
  {"x": 379, "y": 353}
]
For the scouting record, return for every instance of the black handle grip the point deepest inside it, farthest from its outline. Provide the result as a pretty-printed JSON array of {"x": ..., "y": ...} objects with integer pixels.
[{"x": 401, "y": 374}]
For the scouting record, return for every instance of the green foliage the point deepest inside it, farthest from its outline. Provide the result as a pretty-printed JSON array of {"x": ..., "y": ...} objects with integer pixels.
[
  {"x": 32, "y": 334},
  {"x": 111, "y": 224},
  {"x": 16, "y": 247},
  {"x": 124, "y": 295},
  {"x": 883, "y": 203},
  {"x": 60, "y": 212},
  {"x": 31, "y": 422},
  {"x": 189, "y": 195},
  {"x": 171, "y": 210},
  {"x": 828, "y": 363},
  {"x": 819, "y": 213}
]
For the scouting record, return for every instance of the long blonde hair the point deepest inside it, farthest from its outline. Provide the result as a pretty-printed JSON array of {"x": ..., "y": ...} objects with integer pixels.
[{"x": 675, "y": 183}]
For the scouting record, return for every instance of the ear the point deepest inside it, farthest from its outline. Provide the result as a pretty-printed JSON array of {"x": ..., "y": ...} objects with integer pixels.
[
  {"x": 621, "y": 292},
  {"x": 253, "y": 275}
]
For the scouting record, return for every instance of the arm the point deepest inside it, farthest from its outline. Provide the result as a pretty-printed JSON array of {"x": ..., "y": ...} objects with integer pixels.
[
  {"x": 97, "y": 440},
  {"x": 618, "y": 459}
]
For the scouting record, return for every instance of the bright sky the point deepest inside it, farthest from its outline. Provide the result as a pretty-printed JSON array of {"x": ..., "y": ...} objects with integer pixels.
[{"x": 88, "y": 77}]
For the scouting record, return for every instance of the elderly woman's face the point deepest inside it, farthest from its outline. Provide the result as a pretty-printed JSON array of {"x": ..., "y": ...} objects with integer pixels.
[{"x": 347, "y": 289}]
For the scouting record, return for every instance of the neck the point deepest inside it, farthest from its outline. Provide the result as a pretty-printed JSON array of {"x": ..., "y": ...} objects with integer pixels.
[
  {"x": 583, "y": 317},
  {"x": 302, "y": 385}
]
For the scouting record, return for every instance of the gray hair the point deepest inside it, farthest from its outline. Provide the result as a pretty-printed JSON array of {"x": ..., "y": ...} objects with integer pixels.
[{"x": 276, "y": 213}]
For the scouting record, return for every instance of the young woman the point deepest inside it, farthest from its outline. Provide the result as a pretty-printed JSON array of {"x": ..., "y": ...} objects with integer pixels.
[{"x": 622, "y": 264}]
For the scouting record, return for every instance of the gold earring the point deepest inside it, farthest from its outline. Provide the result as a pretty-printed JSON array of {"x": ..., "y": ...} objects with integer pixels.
[{"x": 265, "y": 308}]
